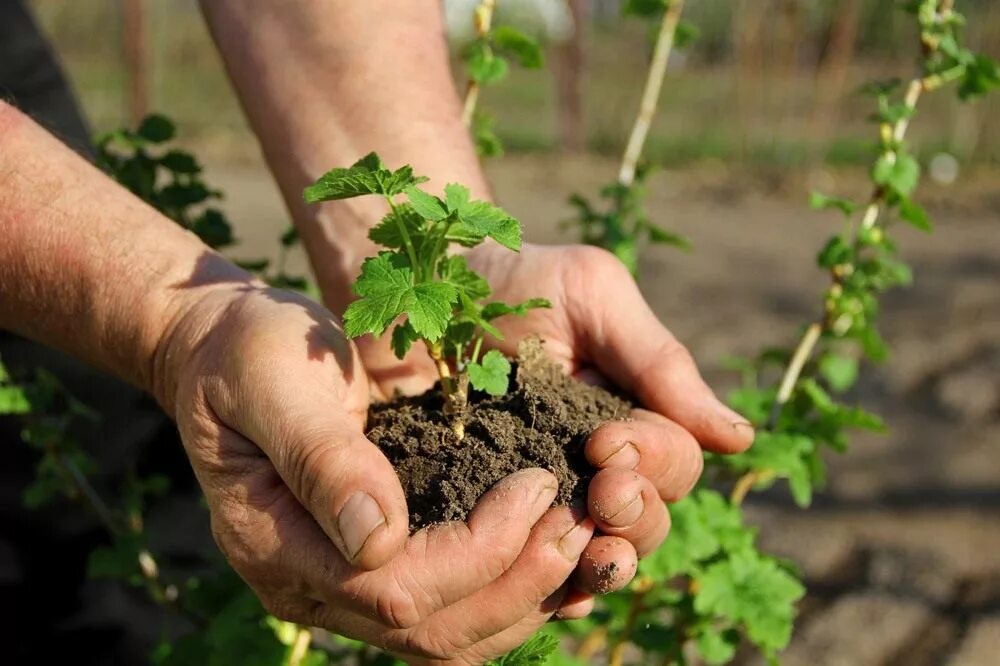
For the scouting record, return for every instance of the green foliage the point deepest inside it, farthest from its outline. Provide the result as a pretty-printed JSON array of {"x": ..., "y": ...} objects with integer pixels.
[
  {"x": 536, "y": 650},
  {"x": 487, "y": 62},
  {"x": 622, "y": 225},
  {"x": 440, "y": 296},
  {"x": 170, "y": 180}
]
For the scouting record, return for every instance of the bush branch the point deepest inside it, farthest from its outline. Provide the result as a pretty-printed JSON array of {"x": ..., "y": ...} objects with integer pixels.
[
  {"x": 651, "y": 92},
  {"x": 482, "y": 18}
]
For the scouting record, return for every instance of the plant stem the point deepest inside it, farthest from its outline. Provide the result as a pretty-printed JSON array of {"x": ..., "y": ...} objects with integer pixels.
[
  {"x": 592, "y": 644},
  {"x": 651, "y": 92},
  {"x": 744, "y": 485},
  {"x": 482, "y": 18},
  {"x": 639, "y": 591},
  {"x": 873, "y": 210},
  {"x": 454, "y": 389},
  {"x": 300, "y": 647},
  {"x": 407, "y": 243}
]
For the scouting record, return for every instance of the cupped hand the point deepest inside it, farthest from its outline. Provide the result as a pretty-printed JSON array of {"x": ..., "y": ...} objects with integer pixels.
[
  {"x": 602, "y": 330},
  {"x": 270, "y": 400}
]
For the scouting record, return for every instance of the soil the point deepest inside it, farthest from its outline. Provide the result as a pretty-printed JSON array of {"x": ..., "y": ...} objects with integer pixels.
[{"x": 543, "y": 421}]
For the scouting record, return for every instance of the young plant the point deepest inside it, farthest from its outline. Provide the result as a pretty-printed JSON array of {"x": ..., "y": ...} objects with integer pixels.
[
  {"x": 443, "y": 300},
  {"x": 623, "y": 226}
]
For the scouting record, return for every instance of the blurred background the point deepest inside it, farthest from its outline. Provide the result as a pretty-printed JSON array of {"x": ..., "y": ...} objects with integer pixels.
[{"x": 902, "y": 550}]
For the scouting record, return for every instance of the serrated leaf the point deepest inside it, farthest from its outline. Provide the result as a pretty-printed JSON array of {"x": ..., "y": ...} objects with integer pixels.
[
  {"x": 535, "y": 651},
  {"x": 428, "y": 306},
  {"x": 455, "y": 270},
  {"x": 492, "y": 374},
  {"x": 913, "y": 213},
  {"x": 839, "y": 371},
  {"x": 385, "y": 285},
  {"x": 717, "y": 647},
  {"x": 982, "y": 75},
  {"x": 755, "y": 591},
  {"x": 819, "y": 201},
  {"x": 426, "y": 205},
  {"x": 455, "y": 196},
  {"x": 497, "y": 309},
  {"x": 156, "y": 129},
  {"x": 489, "y": 220},
  {"x": 366, "y": 176},
  {"x": 403, "y": 337},
  {"x": 783, "y": 455},
  {"x": 521, "y": 46},
  {"x": 387, "y": 232}
]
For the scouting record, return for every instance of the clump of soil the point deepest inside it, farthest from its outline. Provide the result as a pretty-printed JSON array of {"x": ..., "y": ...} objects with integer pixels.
[{"x": 542, "y": 421}]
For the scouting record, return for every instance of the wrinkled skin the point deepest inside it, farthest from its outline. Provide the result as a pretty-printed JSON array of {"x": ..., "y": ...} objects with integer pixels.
[{"x": 270, "y": 400}]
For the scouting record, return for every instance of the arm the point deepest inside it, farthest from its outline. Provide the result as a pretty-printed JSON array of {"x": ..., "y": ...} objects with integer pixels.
[
  {"x": 270, "y": 403},
  {"x": 324, "y": 82}
]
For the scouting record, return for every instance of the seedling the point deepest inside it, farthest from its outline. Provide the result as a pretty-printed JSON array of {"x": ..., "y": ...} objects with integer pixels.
[{"x": 444, "y": 301}]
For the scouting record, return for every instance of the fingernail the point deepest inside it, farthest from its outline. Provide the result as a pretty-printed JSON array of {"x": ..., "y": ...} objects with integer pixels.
[
  {"x": 627, "y": 456},
  {"x": 746, "y": 430},
  {"x": 360, "y": 516},
  {"x": 627, "y": 515},
  {"x": 572, "y": 543}
]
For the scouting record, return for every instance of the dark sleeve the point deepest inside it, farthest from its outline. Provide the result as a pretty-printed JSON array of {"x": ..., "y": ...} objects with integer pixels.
[{"x": 33, "y": 81}]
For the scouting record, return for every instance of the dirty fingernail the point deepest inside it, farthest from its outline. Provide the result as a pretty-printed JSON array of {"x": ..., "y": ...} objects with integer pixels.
[
  {"x": 572, "y": 543},
  {"x": 360, "y": 516},
  {"x": 627, "y": 456},
  {"x": 627, "y": 515}
]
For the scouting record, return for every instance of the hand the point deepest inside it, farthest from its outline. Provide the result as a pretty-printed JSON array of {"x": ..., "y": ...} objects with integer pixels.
[
  {"x": 270, "y": 400},
  {"x": 601, "y": 329}
]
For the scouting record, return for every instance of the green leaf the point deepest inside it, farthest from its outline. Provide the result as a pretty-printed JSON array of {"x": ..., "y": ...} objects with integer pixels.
[
  {"x": 485, "y": 219},
  {"x": 488, "y": 144},
  {"x": 156, "y": 129},
  {"x": 385, "y": 283},
  {"x": 428, "y": 306},
  {"x": 213, "y": 229},
  {"x": 660, "y": 236},
  {"x": 455, "y": 270},
  {"x": 644, "y": 8},
  {"x": 387, "y": 233},
  {"x": 718, "y": 647},
  {"x": 180, "y": 162},
  {"x": 497, "y": 309},
  {"x": 839, "y": 371},
  {"x": 13, "y": 400},
  {"x": 982, "y": 75},
  {"x": 290, "y": 236},
  {"x": 784, "y": 455},
  {"x": 524, "y": 48},
  {"x": 492, "y": 374},
  {"x": 403, "y": 337},
  {"x": 754, "y": 590},
  {"x": 836, "y": 251},
  {"x": 426, "y": 205},
  {"x": 819, "y": 201},
  {"x": 914, "y": 213},
  {"x": 485, "y": 67},
  {"x": 455, "y": 197},
  {"x": 685, "y": 34},
  {"x": 536, "y": 650},
  {"x": 253, "y": 265},
  {"x": 366, "y": 176},
  {"x": 900, "y": 173}
]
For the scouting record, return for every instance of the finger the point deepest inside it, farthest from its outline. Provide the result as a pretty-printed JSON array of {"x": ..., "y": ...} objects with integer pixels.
[
  {"x": 659, "y": 450},
  {"x": 507, "y": 640},
  {"x": 547, "y": 560},
  {"x": 653, "y": 364},
  {"x": 608, "y": 564},
  {"x": 625, "y": 504},
  {"x": 575, "y": 605},
  {"x": 443, "y": 564}
]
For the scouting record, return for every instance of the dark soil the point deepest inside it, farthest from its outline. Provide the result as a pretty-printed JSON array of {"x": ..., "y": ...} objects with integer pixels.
[{"x": 542, "y": 421}]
